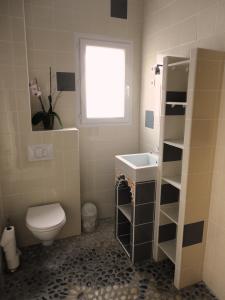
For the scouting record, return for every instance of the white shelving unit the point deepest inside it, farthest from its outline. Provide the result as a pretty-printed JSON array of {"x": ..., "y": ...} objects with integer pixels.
[
  {"x": 172, "y": 135},
  {"x": 173, "y": 180},
  {"x": 179, "y": 143},
  {"x": 173, "y": 103},
  {"x": 182, "y": 77},
  {"x": 169, "y": 248},
  {"x": 171, "y": 211}
]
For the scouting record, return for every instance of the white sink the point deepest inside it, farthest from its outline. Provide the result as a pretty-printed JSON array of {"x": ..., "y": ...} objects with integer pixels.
[{"x": 138, "y": 167}]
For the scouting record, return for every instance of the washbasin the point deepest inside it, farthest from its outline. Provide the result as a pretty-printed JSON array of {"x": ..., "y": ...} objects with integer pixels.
[{"x": 139, "y": 167}]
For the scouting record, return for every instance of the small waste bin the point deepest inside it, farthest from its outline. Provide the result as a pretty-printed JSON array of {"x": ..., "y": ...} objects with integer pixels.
[{"x": 89, "y": 217}]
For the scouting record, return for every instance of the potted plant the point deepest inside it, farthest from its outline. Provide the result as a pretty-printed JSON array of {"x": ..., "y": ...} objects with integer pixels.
[{"x": 46, "y": 116}]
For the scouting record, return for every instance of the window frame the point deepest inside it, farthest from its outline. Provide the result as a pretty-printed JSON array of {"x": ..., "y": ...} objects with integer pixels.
[{"x": 84, "y": 41}]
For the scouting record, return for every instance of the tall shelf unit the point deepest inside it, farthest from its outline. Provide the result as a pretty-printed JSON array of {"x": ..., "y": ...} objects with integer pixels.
[
  {"x": 179, "y": 233},
  {"x": 174, "y": 104}
]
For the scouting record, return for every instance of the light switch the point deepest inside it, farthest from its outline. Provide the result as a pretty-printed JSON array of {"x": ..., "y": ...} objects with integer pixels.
[{"x": 40, "y": 152}]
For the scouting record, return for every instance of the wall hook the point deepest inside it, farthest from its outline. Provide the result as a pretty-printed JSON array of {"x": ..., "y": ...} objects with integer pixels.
[{"x": 157, "y": 69}]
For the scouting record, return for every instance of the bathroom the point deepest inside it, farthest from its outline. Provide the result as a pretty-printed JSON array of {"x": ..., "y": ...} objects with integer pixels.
[{"x": 38, "y": 34}]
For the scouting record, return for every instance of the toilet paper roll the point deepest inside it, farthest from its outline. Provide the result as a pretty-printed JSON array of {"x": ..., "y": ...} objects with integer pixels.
[{"x": 8, "y": 242}]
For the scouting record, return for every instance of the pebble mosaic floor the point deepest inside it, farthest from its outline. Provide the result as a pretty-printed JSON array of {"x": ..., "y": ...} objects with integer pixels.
[{"x": 92, "y": 266}]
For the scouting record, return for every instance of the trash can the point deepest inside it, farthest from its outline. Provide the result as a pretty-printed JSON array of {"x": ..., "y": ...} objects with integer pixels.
[{"x": 89, "y": 217}]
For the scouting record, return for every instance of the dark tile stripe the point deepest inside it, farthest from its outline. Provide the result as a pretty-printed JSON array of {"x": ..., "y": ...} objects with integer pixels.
[
  {"x": 177, "y": 110},
  {"x": 167, "y": 232},
  {"x": 121, "y": 217},
  {"x": 142, "y": 252},
  {"x": 193, "y": 233},
  {"x": 124, "y": 228},
  {"x": 143, "y": 233},
  {"x": 171, "y": 153},
  {"x": 124, "y": 195},
  {"x": 145, "y": 192},
  {"x": 169, "y": 194},
  {"x": 176, "y": 96},
  {"x": 144, "y": 213}
]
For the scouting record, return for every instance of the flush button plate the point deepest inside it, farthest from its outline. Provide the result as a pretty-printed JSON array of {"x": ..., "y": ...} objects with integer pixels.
[{"x": 40, "y": 152}]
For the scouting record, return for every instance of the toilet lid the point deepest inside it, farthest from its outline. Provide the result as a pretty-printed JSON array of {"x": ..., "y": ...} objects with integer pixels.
[{"x": 45, "y": 216}]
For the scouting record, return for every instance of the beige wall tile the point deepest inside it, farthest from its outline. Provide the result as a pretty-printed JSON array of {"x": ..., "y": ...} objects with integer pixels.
[
  {"x": 190, "y": 275},
  {"x": 16, "y": 8},
  {"x": 6, "y": 53},
  {"x": 196, "y": 209},
  {"x": 198, "y": 185},
  {"x": 206, "y": 104},
  {"x": 5, "y": 28},
  {"x": 41, "y": 17},
  {"x": 18, "y": 32},
  {"x": 193, "y": 255},
  {"x": 201, "y": 159},
  {"x": 206, "y": 68},
  {"x": 203, "y": 133}
]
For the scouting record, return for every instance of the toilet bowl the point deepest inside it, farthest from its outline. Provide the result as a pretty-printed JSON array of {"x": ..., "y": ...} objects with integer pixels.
[{"x": 45, "y": 222}]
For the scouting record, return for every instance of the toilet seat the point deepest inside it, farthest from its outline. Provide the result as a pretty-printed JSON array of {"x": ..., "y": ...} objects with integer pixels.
[{"x": 45, "y": 217}]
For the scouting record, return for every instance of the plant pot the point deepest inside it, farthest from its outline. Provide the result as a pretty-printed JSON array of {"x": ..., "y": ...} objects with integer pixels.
[{"x": 48, "y": 122}]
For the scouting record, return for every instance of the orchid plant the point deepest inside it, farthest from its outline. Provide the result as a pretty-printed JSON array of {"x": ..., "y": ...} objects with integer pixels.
[{"x": 46, "y": 116}]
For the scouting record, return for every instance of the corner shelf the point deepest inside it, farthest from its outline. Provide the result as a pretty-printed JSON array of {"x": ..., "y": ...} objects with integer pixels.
[
  {"x": 179, "y": 143},
  {"x": 171, "y": 211},
  {"x": 169, "y": 248},
  {"x": 126, "y": 210}
]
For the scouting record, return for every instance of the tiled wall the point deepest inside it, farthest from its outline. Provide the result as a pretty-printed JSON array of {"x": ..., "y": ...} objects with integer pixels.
[
  {"x": 1, "y": 210},
  {"x": 24, "y": 183},
  {"x": 50, "y": 38},
  {"x": 215, "y": 247},
  {"x": 173, "y": 27}
]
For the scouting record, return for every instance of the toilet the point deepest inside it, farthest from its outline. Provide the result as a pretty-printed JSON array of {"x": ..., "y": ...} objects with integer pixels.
[{"x": 45, "y": 222}]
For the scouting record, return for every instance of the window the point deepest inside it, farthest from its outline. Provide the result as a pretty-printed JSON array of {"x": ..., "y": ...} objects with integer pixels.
[{"x": 105, "y": 81}]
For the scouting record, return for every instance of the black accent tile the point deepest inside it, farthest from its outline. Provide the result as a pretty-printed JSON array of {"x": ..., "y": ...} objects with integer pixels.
[
  {"x": 124, "y": 195},
  {"x": 142, "y": 252},
  {"x": 177, "y": 110},
  {"x": 172, "y": 96},
  {"x": 193, "y": 233},
  {"x": 125, "y": 240},
  {"x": 144, "y": 213},
  {"x": 124, "y": 228},
  {"x": 171, "y": 153},
  {"x": 169, "y": 194},
  {"x": 121, "y": 217},
  {"x": 167, "y": 232},
  {"x": 145, "y": 192},
  {"x": 119, "y": 9},
  {"x": 149, "y": 119},
  {"x": 65, "y": 81},
  {"x": 143, "y": 233}
]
